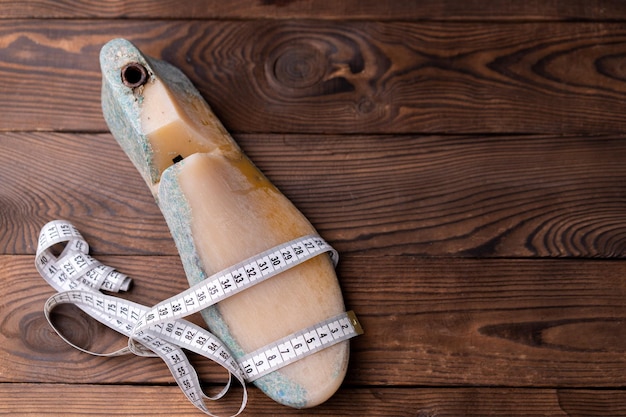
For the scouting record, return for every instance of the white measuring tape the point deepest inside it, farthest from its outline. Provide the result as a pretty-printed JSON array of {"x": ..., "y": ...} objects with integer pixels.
[{"x": 161, "y": 331}]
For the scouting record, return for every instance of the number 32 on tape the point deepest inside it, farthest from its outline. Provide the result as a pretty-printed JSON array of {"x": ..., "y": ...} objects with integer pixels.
[{"x": 161, "y": 330}]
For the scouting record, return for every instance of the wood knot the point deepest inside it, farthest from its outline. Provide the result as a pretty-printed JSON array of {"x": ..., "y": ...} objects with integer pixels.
[
  {"x": 365, "y": 105},
  {"x": 567, "y": 335},
  {"x": 612, "y": 66},
  {"x": 38, "y": 336},
  {"x": 74, "y": 324},
  {"x": 298, "y": 65}
]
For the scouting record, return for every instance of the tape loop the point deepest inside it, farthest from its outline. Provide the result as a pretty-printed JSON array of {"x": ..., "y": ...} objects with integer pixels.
[
  {"x": 161, "y": 331},
  {"x": 50, "y": 304}
]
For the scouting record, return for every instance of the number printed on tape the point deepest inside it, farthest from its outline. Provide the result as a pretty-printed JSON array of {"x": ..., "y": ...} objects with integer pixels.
[{"x": 161, "y": 331}]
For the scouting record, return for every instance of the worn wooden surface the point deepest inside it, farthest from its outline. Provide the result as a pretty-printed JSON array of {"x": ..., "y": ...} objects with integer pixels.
[
  {"x": 304, "y": 76},
  {"x": 466, "y": 158}
]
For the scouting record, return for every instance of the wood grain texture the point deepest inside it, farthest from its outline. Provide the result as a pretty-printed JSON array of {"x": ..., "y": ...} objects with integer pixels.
[
  {"x": 380, "y": 195},
  {"x": 485, "y": 10},
  {"x": 465, "y": 157},
  {"x": 68, "y": 400},
  {"x": 51, "y": 176},
  {"x": 428, "y": 322},
  {"x": 334, "y": 77}
]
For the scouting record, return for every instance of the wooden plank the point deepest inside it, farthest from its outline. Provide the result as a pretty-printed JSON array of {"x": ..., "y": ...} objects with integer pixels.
[
  {"x": 494, "y": 196},
  {"x": 428, "y": 322},
  {"x": 334, "y": 77},
  {"x": 68, "y": 400},
  {"x": 486, "y": 10},
  {"x": 74, "y": 177},
  {"x": 486, "y": 322}
]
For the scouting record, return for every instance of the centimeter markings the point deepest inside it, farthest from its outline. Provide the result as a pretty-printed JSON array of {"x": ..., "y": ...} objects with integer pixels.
[
  {"x": 161, "y": 331},
  {"x": 230, "y": 281},
  {"x": 164, "y": 340},
  {"x": 68, "y": 277},
  {"x": 121, "y": 315},
  {"x": 304, "y": 342},
  {"x": 74, "y": 261}
]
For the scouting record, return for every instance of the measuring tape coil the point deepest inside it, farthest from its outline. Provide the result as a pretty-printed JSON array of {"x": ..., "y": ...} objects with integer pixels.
[{"x": 161, "y": 331}]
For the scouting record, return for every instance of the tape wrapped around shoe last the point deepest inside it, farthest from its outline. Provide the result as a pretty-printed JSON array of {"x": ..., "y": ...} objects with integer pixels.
[{"x": 161, "y": 331}]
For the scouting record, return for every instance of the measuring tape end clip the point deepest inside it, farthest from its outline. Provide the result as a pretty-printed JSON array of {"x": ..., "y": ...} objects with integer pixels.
[{"x": 355, "y": 322}]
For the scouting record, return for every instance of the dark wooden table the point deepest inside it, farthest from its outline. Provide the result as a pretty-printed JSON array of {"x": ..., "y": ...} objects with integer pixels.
[{"x": 466, "y": 158}]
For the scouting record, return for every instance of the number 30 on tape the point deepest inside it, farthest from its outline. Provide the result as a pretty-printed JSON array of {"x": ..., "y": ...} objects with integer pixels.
[{"x": 161, "y": 330}]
